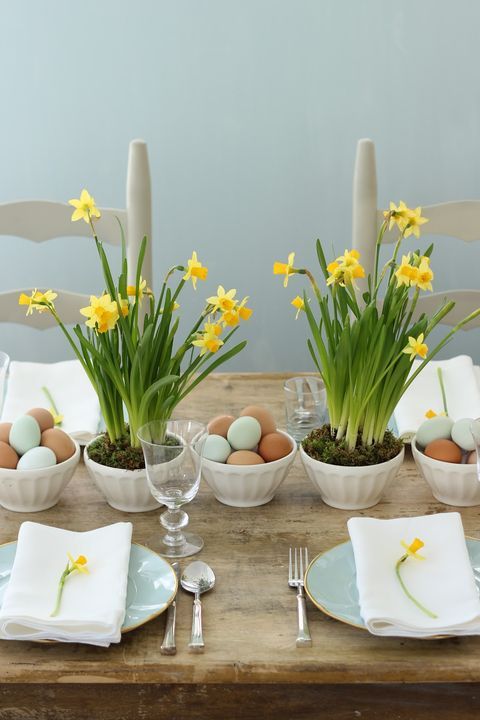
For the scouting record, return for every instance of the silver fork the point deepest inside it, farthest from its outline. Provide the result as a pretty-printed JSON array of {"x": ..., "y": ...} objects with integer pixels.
[{"x": 296, "y": 569}]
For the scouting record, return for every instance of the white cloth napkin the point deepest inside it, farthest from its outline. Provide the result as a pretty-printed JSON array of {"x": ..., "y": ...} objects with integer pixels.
[
  {"x": 69, "y": 386},
  {"x": 92, "y": 609},
  {"x": 462, "y": 388},
  {"x": 443, "y": 582}
]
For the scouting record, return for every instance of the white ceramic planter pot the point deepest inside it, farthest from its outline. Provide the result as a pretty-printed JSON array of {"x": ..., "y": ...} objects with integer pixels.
[
  {"x": 247, "y": 485},
  {"x": 36, "y": 490},
  {"x": 125, "y": 490},
  {"x": 351, "y": 488},
  {"x": 450, "y": 483}
]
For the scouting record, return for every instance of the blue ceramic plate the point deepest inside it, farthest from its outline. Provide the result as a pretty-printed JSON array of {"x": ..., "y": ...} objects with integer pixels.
[
  {"x": 330, "y": 581},
  {"x": 151, "y": 583}
]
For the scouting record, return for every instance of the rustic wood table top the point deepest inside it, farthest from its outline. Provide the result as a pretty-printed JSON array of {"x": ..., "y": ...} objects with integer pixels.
[{"x": 250, "y": 616}]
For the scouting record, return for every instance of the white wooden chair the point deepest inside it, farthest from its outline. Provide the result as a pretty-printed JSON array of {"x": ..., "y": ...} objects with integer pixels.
[
  {"x": 40, "y": 220},
  {"x": 459, "y": 219}
]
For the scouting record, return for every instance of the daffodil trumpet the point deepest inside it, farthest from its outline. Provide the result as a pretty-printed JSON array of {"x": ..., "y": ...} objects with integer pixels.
[
  {"x": 363, "y": 344},
  {"x": 412, "y": 551},
  {"x": 79, "y": 565},
  {"x": 129, "y": 342}
]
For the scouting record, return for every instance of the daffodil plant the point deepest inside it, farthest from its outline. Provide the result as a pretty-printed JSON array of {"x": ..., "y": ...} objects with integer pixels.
[
  {"x": 363, "y": 345},
  {"x": 127, "y": 345}
]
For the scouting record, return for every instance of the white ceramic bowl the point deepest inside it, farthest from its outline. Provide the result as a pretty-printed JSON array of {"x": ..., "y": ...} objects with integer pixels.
[
  {"x": 450, "y": 483},
  {"x": 125, "y": 490},
  {"x": 351, "y": 488},
  {"x": 35, "y": 490},
  {"x": 247, "y": 485}
]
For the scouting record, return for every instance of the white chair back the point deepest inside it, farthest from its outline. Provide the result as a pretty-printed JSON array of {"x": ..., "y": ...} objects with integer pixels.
[
  {"x": 460, "y": 220},
  {"x": 39, "y": 221}
]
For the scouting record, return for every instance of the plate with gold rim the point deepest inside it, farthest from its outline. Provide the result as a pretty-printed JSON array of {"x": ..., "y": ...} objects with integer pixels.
[
  {"x": 330, "y": 581},
  {"x": 151, "y": 585}
]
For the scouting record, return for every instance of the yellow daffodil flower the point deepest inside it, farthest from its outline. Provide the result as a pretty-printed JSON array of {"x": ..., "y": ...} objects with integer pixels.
[
  {"x": 397, "y": 215},
  {"x": 407, "y": 274},
  {"x": 245, "y": 313},
  {"x": 102, "y": 313},
  {"x": 124, "y": 306},
  {"x": 344, "y": 274},
  {"x": 285, "y": 268},
  {"x": 195, "y": 271},
  {"x": 209, "y": 340},
  {"x": 424, "y": 275},
  {"x": 78, "y": 565},
  {"x": 411, "y": 551},
  {"x": 414, "y": 222},
  {"x": 349, "y": 258},
  {"x": 40, "y": 301},
  {"x": 239, "y": 312},
  {"x": 142, "y": 290},
  {"x": 222, "y": 301},
  {"x": 416, "y": 347},
  {"x": 58, "y": 418},
  {"x": 85, "y": 207},
  {"x": 299, "y": 304},
  {"x": 431, "y": 414}
]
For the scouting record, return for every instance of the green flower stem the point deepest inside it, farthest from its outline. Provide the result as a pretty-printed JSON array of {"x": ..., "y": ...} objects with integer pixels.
[
  {"x": 63, "y": 577},
  {"x": 408, "y": 593},
  {"x": 442, "y": 389},
  {"x": 50, "y": 399}
]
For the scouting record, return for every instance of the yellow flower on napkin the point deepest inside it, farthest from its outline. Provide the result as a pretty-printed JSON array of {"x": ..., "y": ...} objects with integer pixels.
[
  {"x": 78, "y": 565},
  {"x": 412, "y": 551}
]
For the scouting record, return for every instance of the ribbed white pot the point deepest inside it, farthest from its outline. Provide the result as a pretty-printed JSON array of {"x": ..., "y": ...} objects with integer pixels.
[
  {"x": 247, "y": 485},
  {"x": 125, "y": 490},
  {"x": 36, "y": 490},
  {"x": 351, "y": 488},
  {"x": 450, "y": 483}
]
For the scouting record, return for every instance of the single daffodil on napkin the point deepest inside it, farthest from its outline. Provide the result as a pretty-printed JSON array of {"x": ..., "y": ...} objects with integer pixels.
[{"x": 78, "y": 565}]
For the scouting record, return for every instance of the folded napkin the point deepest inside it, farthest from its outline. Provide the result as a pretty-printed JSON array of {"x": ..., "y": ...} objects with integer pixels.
[
  {"x": 92, "y": 609},
  {"x": 443, "y": 582},
  {"x": 462, "y": 388},
  {"x": 70, "y": 388}
]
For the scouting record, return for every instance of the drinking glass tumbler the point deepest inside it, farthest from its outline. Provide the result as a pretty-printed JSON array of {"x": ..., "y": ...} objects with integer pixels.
[
  {"x": 173, "y": 457},
  {"x": 305, "y": 405}
]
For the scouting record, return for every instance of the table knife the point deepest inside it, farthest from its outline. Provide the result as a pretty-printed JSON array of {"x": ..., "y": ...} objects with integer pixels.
[{"x": 168, "y": 646}]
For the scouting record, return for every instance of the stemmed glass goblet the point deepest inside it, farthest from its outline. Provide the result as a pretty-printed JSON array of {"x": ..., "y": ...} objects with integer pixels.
[{"x": 173, "y": 457}]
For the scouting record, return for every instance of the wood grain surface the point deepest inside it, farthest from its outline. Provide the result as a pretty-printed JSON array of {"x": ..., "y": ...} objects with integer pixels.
[{"x": 250, "y": 616}]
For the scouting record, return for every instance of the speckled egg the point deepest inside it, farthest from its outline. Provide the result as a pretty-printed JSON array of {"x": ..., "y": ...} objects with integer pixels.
[
  {"x": 472, "y": 458},
  {"x": 274, "y": 446},
  {"x": 8, "y": 456},
  {"x": 216, "y": 448},
  {"x": 436, "y": 428},
  {"x": 59, "y": 442},
  {"x": 244, "y": 433},
  {"x": 444, "y": 450},
  {"x": 43, "y": 417},
  {"x": 36, "y": 458},
  {"x": 462, "y": 434},
  {"x": 264, "y": 417},
  {"x": 245, "y": 457},
  {"x": 5, "y": 431},
  {"x": 219, "y": 425},
  {"x": 24, "y": 434}
]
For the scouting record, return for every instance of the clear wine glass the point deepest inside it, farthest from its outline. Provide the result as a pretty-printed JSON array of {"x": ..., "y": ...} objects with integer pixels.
[{"x": 173, "y": 457}]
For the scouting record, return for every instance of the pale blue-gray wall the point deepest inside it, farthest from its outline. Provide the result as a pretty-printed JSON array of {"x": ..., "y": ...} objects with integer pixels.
[{"x": 251, "y": 110}]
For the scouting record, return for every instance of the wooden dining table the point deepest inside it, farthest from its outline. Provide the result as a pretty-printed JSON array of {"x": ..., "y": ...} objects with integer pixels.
[{"x": 251, "y": 667}]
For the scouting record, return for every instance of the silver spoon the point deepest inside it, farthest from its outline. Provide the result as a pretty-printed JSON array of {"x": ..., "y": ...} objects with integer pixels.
[{"x": 197, "y": 578}]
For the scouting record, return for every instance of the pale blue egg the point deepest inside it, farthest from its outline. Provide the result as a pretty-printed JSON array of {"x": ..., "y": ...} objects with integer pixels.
[
  {"x": 436, "y": 428},
  {"x": 244, "y": 433},
  {"x": 462, "y": 434},
  {"x": 36, "y": 458},
  {"x": 216, "y": 448},
  {"x": 25, "y": 434}
]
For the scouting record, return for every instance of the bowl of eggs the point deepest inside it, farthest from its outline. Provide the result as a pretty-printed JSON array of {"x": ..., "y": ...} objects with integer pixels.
[
  {"x": 246, "y": 459},
  {"x": 37, "y": 461},
  {"x": 444, "y": 454}
]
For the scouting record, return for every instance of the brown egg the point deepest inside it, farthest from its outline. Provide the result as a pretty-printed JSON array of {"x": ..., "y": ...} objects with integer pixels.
[
  {"x": 444, "y": 450},
  {"x": 472, "y": 458},
  {"x": 219, "y": 425},
  {"x": 5, "y": 432},
  {"x": 264, "y": 417},
  {"x": 274, "y": 446},
  {"x": 43, "y": 417},
  {"x": 58, "y": 441},
  {"x": 8, "y": 456},
  {"x": 245, "y": 457}
]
